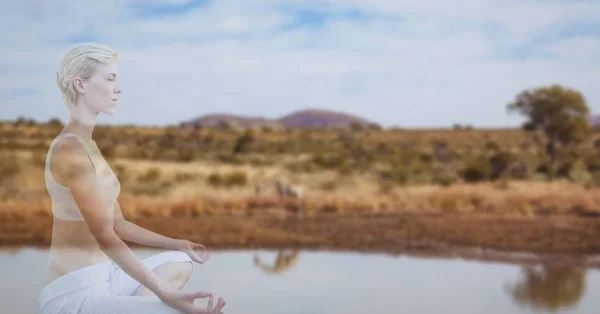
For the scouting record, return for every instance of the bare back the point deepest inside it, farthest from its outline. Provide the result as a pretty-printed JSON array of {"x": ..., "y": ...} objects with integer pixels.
[{"x": 77, "y": 176}]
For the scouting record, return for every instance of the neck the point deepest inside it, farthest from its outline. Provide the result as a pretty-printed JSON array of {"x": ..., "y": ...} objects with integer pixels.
[{"x": 82, "y": 120}]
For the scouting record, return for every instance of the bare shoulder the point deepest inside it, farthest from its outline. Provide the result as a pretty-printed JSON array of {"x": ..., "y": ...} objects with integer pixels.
[{"x": 72, "y": 160}]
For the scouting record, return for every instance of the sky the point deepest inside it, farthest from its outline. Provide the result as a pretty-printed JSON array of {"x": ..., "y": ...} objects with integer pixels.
[{"x": 428, "y": 63}]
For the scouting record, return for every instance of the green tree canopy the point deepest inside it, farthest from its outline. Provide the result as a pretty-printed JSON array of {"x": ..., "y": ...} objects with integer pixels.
[{"x": 560, "y": 113}]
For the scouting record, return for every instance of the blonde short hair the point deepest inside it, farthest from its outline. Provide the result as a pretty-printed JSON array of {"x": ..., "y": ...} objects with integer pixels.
[{"x": 80, "y": 60}]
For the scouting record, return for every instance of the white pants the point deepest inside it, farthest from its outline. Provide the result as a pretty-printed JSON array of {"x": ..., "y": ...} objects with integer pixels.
[{"x": 105, "y": 288}]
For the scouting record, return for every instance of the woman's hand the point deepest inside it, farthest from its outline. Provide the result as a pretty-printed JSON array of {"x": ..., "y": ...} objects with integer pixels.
[
  {"x": 196, "y": 251},
  {"x": 184, "y": 301}
]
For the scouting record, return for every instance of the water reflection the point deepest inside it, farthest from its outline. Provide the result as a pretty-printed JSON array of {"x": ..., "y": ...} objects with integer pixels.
[
  {"x": 284, "y": 261},
  {"x": 344, "y": 282},
  {"x": 550, "y": 288}
]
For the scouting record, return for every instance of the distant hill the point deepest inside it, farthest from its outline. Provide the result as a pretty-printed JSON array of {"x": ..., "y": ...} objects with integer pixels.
[
  {"x": 308, "y": 118},
  {"x": 316, "y": 118},
  {"x": 218, "y": 119}
]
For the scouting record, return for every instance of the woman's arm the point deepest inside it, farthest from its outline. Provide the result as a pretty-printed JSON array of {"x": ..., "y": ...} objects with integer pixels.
[
  {"x": 78, "y": 171},
  {"x": 131, "y": 232}
]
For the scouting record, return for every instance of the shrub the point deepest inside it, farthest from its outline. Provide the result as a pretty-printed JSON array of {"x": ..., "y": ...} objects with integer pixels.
[
  {"x": 215, "y": 179},
  {"x": 243, "y": 142},
  {"x": 184, "y": 176},
  {"x": 229, "y": 158},
  {"x": 234, "y": 178},
  {"x": 394, "y": 175},
  {"x": 150, "y": 188},
  {"x": 499, "y": 164},
  {"x": 492, "y": 145},
  {"x": 475, "y": 170},
  {"x": 328, "y": 161},
  {"x": 150, "y": 175},
  {"x": 426, "y": 158},
  {"x": 185, "y": 155}
]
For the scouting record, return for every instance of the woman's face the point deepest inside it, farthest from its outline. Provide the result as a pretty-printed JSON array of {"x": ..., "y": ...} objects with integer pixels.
[{"x": 100, "y": 91}]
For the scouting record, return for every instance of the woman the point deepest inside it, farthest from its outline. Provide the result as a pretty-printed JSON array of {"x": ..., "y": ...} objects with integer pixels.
[{"x": 91, "y": 269}]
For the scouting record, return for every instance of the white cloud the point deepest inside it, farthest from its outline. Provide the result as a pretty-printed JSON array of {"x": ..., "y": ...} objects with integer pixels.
[{"x": 428, "y": 63}]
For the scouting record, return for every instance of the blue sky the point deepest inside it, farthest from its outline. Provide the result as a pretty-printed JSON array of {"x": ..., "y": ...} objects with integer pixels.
[{"x": 430, "y": 63}]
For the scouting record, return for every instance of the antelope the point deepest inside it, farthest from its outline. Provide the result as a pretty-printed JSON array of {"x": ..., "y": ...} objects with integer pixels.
[{"x": 285, "y": 190}]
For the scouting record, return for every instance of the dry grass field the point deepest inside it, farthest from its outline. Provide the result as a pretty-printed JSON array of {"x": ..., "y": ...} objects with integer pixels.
[{"x": 382, "y": 190}]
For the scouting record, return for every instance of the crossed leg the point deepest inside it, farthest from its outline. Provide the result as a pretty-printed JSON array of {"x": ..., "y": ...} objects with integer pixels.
[{"x": 174, "y": 274}]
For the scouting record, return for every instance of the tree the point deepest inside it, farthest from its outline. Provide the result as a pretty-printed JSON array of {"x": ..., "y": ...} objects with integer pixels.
[
  {"x": 550, "y": 288},
  {"x": 560, "y": 113}
]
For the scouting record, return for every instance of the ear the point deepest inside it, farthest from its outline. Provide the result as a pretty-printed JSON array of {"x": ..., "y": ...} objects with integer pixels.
[{"x": 79, "y": 85}]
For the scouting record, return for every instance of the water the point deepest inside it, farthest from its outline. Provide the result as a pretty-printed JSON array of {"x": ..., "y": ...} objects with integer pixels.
[{"x": 321, "y": 282}]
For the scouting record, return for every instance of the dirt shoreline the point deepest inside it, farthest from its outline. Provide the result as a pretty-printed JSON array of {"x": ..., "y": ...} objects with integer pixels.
[{"x": 551, "y": 240}]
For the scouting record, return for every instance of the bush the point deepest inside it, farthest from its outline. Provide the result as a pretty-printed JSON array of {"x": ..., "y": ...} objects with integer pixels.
[
  {"x": 185, "y": 155},
  {"x": 215, "y": 179},
  {"x": 475, "y": 170},
  {"x": 151, "y": 188},
  {"x": 426, "y": 158},
  {"x": 394, "y": 175},
  {"x": 492, "y": 145},
  {"x": 184, "y": 176},
  {"x": 150, "y": 175},
  {"x": 229, "y": 159},
  {"x": 243, "y": 142},
  {"x": 328, "y": 161},
  {"x": 500, "y": 162},
  {"x": 234, "y": 178}
]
